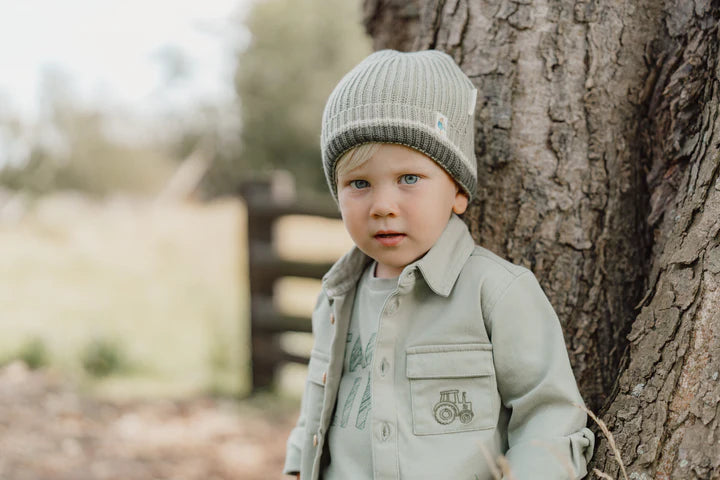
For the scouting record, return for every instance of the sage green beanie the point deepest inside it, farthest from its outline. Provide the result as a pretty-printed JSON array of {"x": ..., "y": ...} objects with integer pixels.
[{"x": 418, "y": 99}]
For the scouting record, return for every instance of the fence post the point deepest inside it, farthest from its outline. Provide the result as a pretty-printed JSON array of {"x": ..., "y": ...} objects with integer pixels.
[
  {"x": 260, "y": 196},
  {"x": 266, "y": 201}
]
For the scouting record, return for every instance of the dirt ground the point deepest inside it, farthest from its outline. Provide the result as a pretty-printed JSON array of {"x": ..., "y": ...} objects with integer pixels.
[{"x": 49, "y": 431}]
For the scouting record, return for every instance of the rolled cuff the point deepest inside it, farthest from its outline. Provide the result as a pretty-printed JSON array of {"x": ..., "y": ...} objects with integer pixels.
[
  {"x": 560, "y": 458},
  {"x": 582, "y": 447}
]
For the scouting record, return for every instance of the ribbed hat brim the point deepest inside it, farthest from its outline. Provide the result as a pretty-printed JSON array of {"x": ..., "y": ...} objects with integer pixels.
[{"x": 419, "y": 99}]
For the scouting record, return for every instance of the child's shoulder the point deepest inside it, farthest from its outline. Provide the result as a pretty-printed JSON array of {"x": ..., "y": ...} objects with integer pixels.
[
  {"x": 496, "y": 276},
  {"x": 492, "y": 264}
]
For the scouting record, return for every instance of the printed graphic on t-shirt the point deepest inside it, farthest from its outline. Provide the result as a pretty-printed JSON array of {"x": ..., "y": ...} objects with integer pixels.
[
  {"x": 347, "y": 404},
  {"x": 357, "y": 369}
]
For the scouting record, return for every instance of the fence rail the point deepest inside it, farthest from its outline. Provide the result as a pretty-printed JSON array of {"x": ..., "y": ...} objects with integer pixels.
[{"x": 266, "y": 202}]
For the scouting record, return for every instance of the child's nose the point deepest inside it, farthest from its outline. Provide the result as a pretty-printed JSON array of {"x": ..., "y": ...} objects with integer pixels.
[{"x": 384, "y": 203}]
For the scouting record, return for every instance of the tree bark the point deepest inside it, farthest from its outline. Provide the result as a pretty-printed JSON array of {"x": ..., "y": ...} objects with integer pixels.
[
  {"x": 597, "y": 152},
  {"x": 664, "y": 412},
  {"x": 392, "y": 23}
]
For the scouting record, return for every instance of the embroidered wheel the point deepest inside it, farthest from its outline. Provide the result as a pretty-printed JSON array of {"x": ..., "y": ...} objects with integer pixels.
[
  {"x": 451, "y": 407},
  {"x": 445, "y": 413}
]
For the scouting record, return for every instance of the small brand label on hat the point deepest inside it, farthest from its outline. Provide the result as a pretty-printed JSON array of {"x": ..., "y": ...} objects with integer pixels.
[{"x": 441, "y": 123}]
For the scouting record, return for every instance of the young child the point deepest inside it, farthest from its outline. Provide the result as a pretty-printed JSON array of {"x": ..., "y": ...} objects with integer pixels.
[{"x": 432, "y": 356}]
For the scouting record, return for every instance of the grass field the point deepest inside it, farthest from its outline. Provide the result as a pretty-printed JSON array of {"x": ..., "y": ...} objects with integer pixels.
[{"x": 162, "y": 287}]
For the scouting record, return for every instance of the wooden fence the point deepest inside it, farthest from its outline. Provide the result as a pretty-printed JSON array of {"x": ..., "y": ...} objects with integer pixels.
[{"x": 267, "y": 201}]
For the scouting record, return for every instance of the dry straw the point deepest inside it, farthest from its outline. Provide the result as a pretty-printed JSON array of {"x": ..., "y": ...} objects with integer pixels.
[
  {"x": 610, "y": 438},
  {"x": 602, "y": 474},
  {"x": 491, "y": 462},
  {"x": 501, "y": 466},
  {"x": 559, "y": 455}
]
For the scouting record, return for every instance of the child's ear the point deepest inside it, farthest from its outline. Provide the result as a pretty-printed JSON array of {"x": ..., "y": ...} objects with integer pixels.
[{"x": 461, "y": 202}]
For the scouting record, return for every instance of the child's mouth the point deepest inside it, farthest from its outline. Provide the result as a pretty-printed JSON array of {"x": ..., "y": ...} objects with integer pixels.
[{"x": 389, "y": 239}]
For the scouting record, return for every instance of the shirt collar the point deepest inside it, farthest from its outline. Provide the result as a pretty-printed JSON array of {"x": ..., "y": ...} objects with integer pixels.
[{"x": 440, "y": 266}]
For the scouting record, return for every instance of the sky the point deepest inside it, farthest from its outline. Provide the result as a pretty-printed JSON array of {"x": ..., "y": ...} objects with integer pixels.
[{"x": 112, "y": 52}]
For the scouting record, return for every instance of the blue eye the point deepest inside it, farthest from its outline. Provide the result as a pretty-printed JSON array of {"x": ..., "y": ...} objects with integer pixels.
[
  {"x": 410, "y": 178},
  {"x": 359, "y": 184}
]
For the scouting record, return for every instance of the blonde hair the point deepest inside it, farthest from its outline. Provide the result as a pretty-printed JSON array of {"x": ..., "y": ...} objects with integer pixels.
[{"x": 355, "y": 157}]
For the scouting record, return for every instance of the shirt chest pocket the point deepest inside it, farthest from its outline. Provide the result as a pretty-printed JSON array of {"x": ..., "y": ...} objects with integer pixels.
[{"x": 452, "y": 388}]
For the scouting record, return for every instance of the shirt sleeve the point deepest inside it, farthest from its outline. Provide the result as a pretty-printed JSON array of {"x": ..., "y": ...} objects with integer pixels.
[
  {"x": 294, "y": 445},
  {"x": 546, "y": 434},
  {"x": 293, "y": 451}
]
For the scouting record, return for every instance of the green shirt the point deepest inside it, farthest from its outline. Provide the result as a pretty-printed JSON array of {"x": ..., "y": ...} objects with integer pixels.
[{"x": 469, "y": 362}]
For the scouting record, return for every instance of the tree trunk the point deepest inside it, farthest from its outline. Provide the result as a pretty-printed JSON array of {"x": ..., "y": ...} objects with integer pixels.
[{"x": 598, "y": 167}]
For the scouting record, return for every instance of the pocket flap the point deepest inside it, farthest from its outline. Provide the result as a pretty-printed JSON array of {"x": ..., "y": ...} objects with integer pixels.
[
  {"x": 317, "y": 366},
  {"x": 450, "y": 361}
]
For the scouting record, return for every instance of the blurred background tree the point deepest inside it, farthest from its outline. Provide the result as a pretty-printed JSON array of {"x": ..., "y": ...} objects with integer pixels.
[
  {"x": 70, "y": 147},
  {"x": 299, "y": 50}
]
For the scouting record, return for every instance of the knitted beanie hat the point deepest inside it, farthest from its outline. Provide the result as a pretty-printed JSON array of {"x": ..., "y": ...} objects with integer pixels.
[{"x": 418, "y": 99}]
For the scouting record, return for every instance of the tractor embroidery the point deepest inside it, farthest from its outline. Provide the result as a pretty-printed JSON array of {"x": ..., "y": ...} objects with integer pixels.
[{"x": 449, "y": 408}]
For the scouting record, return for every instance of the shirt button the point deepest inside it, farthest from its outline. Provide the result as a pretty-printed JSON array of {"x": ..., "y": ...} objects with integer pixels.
[
  {"x": 385, "y": 432},
  {"x": 324, "y": 377},
  {"x": 384, "y": 367},
  {"x": 315, "y": 440},
  {"x": 332, "y": 319}
]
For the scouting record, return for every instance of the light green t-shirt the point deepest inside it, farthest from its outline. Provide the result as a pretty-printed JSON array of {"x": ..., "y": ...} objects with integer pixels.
[{"x": 349, "y": 434}]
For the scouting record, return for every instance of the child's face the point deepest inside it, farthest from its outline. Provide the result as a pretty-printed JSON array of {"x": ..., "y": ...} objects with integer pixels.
[{"x": 396, "y": 205}]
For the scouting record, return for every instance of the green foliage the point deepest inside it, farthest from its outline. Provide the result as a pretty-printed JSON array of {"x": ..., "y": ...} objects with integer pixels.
[
  {"x": 102, "y": 357},
  {"x": 299, "y": 51},
  {"x": 33, "y": 353},
  {"x": 70, "y": 148},
  {"x": 95, "y": 165}
]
